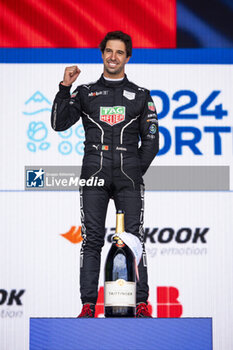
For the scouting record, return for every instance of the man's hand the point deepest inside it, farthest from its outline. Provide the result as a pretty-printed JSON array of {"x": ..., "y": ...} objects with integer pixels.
[{"x": 70, "y": 75}]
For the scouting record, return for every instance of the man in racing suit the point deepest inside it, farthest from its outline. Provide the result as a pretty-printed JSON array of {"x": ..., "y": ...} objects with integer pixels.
[{"x": 116, "y": 115}]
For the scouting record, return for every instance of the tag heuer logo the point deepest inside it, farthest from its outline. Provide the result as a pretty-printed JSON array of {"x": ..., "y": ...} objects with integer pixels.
[{"x": 112, "y": 115}]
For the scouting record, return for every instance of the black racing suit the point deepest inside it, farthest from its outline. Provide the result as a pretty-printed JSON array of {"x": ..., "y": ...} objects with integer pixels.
[{"x": 116, "y": 115}]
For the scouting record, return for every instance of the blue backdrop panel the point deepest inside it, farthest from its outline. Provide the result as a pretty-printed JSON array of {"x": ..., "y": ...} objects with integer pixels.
[
  {"x": 123, "y": 334},
  {"x": 144, "y": 56}
]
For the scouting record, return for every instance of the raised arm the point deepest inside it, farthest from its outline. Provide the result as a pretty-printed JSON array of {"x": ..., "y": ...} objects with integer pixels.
[{"x": 66, "y": 109}]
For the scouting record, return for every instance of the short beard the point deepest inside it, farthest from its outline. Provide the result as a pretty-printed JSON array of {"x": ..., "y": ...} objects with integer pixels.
[{"x": 115, "y": 72}]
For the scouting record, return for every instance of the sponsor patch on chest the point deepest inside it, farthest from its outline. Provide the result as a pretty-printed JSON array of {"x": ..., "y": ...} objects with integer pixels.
[
  {"x": 129, "y": 95},
  {"x": 112, "y": 115},
  {"x": 97, "y": 93}
]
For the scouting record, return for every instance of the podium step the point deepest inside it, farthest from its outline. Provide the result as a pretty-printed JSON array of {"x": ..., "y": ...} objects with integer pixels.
[{"x": 121, "y": 334}]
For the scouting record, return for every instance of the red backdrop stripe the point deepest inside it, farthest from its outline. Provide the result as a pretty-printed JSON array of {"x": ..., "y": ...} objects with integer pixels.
[{"x": 69, "y": 23}]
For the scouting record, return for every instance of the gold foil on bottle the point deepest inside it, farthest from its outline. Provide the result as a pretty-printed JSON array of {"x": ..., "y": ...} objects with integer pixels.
[{"x": 120, "y": 223}]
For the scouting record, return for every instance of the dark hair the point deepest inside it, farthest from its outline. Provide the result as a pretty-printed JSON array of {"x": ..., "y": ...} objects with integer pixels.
[{"x": 117, "y": 35}]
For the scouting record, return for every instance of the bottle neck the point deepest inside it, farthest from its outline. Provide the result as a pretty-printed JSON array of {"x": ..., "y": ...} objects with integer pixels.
[{"x": 120, "y": 223}]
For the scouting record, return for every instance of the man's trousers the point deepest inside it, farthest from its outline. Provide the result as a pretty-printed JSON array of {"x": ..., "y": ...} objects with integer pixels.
[{"x": 93, "y": 205}]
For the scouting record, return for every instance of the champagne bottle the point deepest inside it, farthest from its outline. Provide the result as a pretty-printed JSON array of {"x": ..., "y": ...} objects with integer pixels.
[{"x": 120, "y": 277}]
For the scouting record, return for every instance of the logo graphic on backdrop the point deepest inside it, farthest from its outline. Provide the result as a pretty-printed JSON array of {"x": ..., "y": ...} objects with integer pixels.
[
  {"x": 73, "y": 235},
  {"x": 9, "y": 301},
  {"x": 52, "y": 178},
  {"x": 168, "y": 241},
  {"x": 37, "y": 106},
  {"x": 189, "y": 137},
  {"x": 37, "y": 103},
  {"x": 34, "y": 178},
  {"x": 37, "y": 133},
  {"x": 165, "y": 241},
  {"x": 167, "y": 303}
]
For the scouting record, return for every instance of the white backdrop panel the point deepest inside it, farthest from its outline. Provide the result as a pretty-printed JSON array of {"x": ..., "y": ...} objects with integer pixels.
[
  {"x": 26, "y": 137},
  {"x": 35, "y": 257}
]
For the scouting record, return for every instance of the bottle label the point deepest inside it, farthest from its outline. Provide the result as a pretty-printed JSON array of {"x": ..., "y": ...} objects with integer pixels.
[
  {"x": 119, "y": 243},
  {"x": 120, "y": 293}
]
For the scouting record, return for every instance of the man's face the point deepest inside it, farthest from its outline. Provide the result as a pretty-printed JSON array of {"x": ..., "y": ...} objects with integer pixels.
[{"x": 114, "y": 59}]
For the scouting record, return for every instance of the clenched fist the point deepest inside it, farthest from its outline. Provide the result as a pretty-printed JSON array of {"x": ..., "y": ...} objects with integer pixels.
[{"x": 70, "y": 75}]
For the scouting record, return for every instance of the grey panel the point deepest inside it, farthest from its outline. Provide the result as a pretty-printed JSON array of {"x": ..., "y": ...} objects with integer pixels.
[
  {"x": 188, "y": 178},
  {"x": 157, "y": 178}
]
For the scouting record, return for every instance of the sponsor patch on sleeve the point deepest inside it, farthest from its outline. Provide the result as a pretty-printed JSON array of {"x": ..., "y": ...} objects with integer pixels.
[
  {"x": 152, "y": 129},
  {"x": 151, "y": 106},
  {"x": 74, "y": 94}
]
